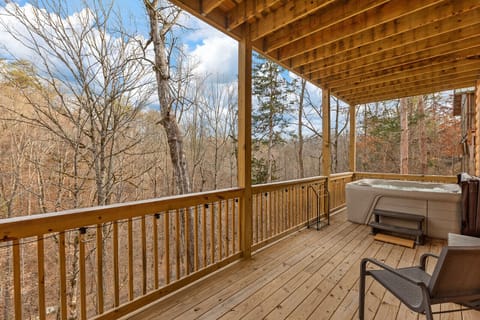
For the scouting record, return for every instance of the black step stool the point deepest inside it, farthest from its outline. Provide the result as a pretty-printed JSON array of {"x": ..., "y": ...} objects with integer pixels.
[{"x": 417, "y": 233}]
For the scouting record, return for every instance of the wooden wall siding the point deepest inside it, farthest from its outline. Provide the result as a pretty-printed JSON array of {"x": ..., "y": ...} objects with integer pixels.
[
  {"x": 477, "y": 128},
  {"x": 364, "y": 50}
]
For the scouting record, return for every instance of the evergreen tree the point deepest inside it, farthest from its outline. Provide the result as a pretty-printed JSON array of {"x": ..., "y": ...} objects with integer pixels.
[{"x": 270, "y": 116}]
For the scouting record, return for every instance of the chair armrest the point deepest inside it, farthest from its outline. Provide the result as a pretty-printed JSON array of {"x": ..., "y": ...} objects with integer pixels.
[
  {"x": 389, "y": 269},
  {"x": 424, "y": 257}
]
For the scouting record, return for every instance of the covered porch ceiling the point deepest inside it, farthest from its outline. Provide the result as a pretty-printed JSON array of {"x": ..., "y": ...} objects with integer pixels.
[{"x": 362, "y": 50}]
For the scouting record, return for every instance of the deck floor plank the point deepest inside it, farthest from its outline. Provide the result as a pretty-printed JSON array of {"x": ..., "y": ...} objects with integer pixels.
[
  {"x": 320, "y": 272},
  {"x": 287, "y": 281},
  {"x": 253, "y": 282},
  {"x": 310, "y": 303},
  {"x": 183, "y": 300},
  {"x": 309, "y": 275}
]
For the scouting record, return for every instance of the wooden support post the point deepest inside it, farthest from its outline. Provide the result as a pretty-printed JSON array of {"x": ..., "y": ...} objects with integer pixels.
[
  {"x": 352, "y": 154},
  {"x": 244, "y": 160},
  {"x": 477, "y": 128},
  {"x": 326, "y": 161}
]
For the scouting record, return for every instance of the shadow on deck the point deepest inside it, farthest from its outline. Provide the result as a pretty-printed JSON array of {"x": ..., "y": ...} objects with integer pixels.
[{"x": 309, "y": 275}]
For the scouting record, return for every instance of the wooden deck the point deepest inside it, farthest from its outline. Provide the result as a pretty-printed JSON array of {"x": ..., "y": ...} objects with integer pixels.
[{"x": 310, "y": 275}]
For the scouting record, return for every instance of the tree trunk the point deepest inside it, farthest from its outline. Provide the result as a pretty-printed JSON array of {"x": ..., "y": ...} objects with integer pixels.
[
  {"x": 168, "y": 119},
  {"x": 301, "y": 170},
  {"x": 269, "y": 148},
  {"x": 422, "y": 136},
  {"x": 404, "y": 136},
  {"x": 336, "y": 136}
]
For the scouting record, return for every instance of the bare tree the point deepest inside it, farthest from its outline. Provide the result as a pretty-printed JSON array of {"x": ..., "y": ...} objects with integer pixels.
[
  {"x": 422, "y": 145},
  {"x": 301, "y": 170},
  {"x": 91, "y": 79},
  {"x": 404, "y": 135},
  {"x": 162, "y": 19},
  {"x": 89, "y": 87}
]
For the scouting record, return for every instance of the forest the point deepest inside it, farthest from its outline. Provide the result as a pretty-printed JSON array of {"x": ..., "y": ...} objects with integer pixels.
[{"x": 100, "y": 116}]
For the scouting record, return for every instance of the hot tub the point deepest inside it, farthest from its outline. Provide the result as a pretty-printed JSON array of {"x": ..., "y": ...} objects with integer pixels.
[{"x": 438, "y": 203}]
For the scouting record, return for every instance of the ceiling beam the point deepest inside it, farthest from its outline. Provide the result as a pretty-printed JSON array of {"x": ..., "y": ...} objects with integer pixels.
[
  {"x": 215, "y": 18},
  {"x": 428, "y": 70},
  {"x": 453, "y": 43},
  {"x": 247, "y": 11},
  {"x": 209, "y": 5},
  {"x": 330, "y": 15},
  {"x": 286, "y": 14},
  {"x": 415, "y": 27},
  {"x": 390, "y": 12},
  {"x": 444, "y": 82},
  {"x": 441, "y": 63},
  {"x": 409, "y": 83},
  {"x": 430, "y": 89},
  {"x": 410, "y": 47}
]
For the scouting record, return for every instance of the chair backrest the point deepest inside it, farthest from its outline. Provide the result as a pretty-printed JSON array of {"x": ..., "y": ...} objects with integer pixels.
[{"x": 457, "y": 273}]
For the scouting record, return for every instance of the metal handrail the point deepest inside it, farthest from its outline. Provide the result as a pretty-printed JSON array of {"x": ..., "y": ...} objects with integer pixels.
[{"x": 310, "y": 187}]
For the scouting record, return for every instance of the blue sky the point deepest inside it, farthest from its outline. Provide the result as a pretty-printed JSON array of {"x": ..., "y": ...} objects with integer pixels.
[{"x": 213, "y": 52}]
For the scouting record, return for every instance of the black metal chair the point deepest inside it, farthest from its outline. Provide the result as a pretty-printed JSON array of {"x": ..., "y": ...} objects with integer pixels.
[{"x": 456, "y": 278}]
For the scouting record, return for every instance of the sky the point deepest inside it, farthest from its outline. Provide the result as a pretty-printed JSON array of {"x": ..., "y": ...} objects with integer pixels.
[{"x": 213, "y": 52}]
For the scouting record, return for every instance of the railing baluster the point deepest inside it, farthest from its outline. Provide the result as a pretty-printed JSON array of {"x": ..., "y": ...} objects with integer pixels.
[
  {"x": 186, "y": 217},
  {"x": 256, "y": 213},
  {"x": 220, "y": 222},
  {"x": 116, "y": 282},
  {"x": 274, "y": 196},
  {"x": 166, "y": 225},
  {"x": 63, "y": 275},
  {"x": 227, "y": 235},
  {"x": 195, "y": 241},
  {"x": 99, "y": 269},
  {"x": 41, "y": 277},
  {"x": 295, "y": 205},
  {"x": 204, "y": 235},
  {"x": 155, "y": 250},
  {"x": 130, "y": 260},
  {"x": 212, "y": 233},
  {"x": 234, "y": 212},
  {"x": 144, "y": 255},
  {"x": 262, "y": 216},
  {"x": 83, "y": 282},
  {"x": 17, "y": 280},
  {"x": 177, "y": 244},
  {"x": 270, "y": 214},
  {"x": 290, "y": 207},
  {"x": 284, "y": 212}
]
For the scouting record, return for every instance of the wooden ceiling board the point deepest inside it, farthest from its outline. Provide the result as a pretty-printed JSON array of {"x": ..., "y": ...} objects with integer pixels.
[{"x": 362, "y": 50}]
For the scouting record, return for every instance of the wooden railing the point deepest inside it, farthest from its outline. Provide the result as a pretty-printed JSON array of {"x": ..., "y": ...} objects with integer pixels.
[
  {"x": 336, "y": 188},
  {"x": 283, "y": 207},
  {"x": 107, "y": 261}
]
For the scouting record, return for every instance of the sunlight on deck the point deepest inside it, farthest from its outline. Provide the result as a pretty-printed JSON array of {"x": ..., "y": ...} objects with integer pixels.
[{"x": 310, "y": 275}]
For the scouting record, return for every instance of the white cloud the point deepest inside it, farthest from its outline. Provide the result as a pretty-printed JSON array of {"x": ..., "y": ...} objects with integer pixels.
[{"x": 214, "y": 52}]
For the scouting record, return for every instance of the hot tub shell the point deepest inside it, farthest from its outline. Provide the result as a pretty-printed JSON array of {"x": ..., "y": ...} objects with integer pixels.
[{"x": 438, "y": 203}]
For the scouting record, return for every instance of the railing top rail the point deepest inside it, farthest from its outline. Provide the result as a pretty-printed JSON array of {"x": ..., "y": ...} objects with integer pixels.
[
  {"x": 341, "y": 175},
  {"x": 275, "y": 185},
  {"x": 39, "y": 224}
]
